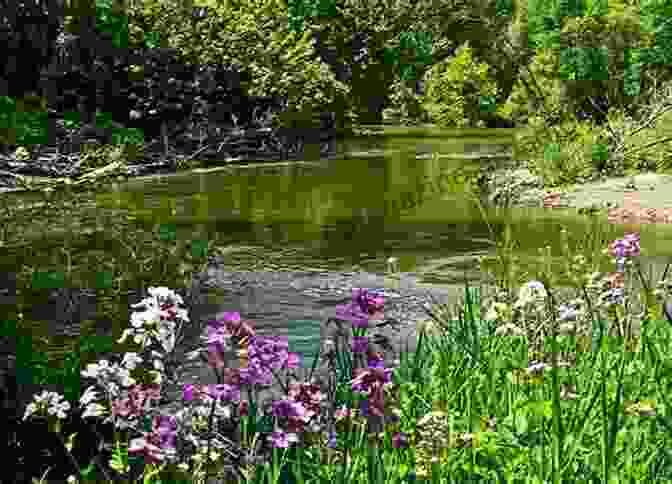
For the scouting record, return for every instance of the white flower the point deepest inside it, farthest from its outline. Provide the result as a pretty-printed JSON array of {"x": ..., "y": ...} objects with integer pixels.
[
  {"x": 532, "y": 292},
  {"x": 113, "y": 388},
  {"x": 496, "y": 311},
  {"x": 509, "y": 329},
  {"x": 536, "y": 367},
  {"x": 140, "y": 319},
  {"x": 165, "y": 295},
  {"x": 182, "y": 314},
  {"x": 93, "y": 369},
  {"x": 126, "y": 379},
  {"x": 167, "y": 336},
  {"x": 31, "y": 408},
  {"x": 89, "y": 395},
  {"x": 49, "y": 401},
  {"x": 131, "y": 360},
  {"x": 158, "y": 364}
]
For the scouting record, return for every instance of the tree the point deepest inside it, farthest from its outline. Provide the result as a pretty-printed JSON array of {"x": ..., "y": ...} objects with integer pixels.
[
  {"x": 456, "y": 89},
  {"x": 254, "y": 36},
  {"x": 28, "y": 31}
]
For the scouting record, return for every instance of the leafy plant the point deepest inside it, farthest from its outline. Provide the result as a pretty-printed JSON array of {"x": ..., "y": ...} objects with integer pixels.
[{"x": 454, "y": 88}]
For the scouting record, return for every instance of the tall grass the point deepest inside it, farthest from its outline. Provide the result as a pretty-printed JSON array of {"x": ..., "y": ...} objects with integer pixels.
[{"x": 510, "y": 395}]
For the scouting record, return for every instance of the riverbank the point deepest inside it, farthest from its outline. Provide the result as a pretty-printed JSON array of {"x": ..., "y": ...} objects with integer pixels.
[
  {"x": 50, "y": 165},
  {"x": 626, "y": 197}
]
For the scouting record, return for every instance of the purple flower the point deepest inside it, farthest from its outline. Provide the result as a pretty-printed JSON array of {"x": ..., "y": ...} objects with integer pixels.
[
  {"x": 360, "y": 344},
  {"x": 228, "y": 393},
  {"x": 628, "y": 246},
  {"x": 138, "y": 401},
  {"x": 362, "y": 308},
  {"x": 374, "y": 359},
  {"x": 364, "y": 407},
  {"x": 233, "y": 326},
  {"x": 288, "y": 409},
  {"x": 157, "y": 445},
  {"x": 399, "y": 440},
  {"x": 371, "y": 381},
  {"x": 309, "y": 395},
  {"x": 332, "y": 442},
  {"x": 281, "y": 439}
]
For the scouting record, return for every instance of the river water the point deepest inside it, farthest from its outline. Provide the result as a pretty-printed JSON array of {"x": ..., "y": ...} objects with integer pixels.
[{"x": 293, "y": 239}]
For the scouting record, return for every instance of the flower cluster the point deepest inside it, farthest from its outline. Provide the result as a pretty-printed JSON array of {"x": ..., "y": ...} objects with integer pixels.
[
  {"x": 155, "y": 328},
  {"x": 609, "y": 289},
  {"x": 363, "y": 308},
  {"x": 49, "y": 402},
  {"x": 628, "y": 246}
]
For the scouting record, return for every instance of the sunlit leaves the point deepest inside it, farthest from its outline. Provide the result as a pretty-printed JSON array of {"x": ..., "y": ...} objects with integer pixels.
[{"x": 454, "y": 88}]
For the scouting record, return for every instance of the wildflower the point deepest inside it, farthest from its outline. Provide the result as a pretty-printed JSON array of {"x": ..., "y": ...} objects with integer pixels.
[
  {"x": 92, "y": 409},
  {"x": 374, "y": 359},
  {"x": 509, "y": 329},
  {"x": 399, "y": 440},
  {"x": 616, "y": 280},
  {"x": 309, "y": 395},
  {"x": 131, "y": 360},
  {"x": 363, "y": 307},
  {"x": 497, "y": 311},
  {"x": 159, "y": 444},
  {"x": 231, "y": 326},
  {"x": 49, "y": 402},
  {"x": 371, "y": 381},
  {"x": 628, "y": 246},
  {"x": 536, "y": 367},
  {"x": 282, "y": 440},
  {"x": 332, "y": 442},
  {"x": 360, "y": 344},
  {"x": 572, "y": 310},
  {"x": 611, "y": 297},
  {"x": 293, "y": 414},
  {"x": 532, "y": 292},
  {"x": 137, "y": 402}
]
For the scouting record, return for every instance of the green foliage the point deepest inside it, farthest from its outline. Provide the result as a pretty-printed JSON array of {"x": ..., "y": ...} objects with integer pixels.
[
  {"x": 655, "y": 18},
  {"x": 454, "y": 88},
  {"x": 539, "y": 91},
  {"x": 420, "y": 44},
  {"x": 24, "y": 121},
  {"x": 583, "y": 63},
  {"x": 255, "y": 36},
  {"x": 405, "y": 106},
  {"x": 544, "y": 22},
  {"x": 113, "y": 21}
]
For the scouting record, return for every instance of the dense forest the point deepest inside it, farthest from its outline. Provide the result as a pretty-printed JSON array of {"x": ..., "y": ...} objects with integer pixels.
[{"x": 562, "y": 68}]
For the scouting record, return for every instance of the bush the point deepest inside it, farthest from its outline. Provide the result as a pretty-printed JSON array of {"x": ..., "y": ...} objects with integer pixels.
[
  {"x": 456, "y": 89},
  {"x": 405, "y": 106}
]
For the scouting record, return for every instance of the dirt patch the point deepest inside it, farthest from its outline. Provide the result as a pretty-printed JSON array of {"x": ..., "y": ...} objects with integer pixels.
[
  {"x": 645, "y": 191},
  {"x": 643, "y": 197}
]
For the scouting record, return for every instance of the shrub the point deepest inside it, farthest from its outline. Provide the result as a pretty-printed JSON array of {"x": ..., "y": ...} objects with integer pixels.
[{"x": 456, "y": 88}]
